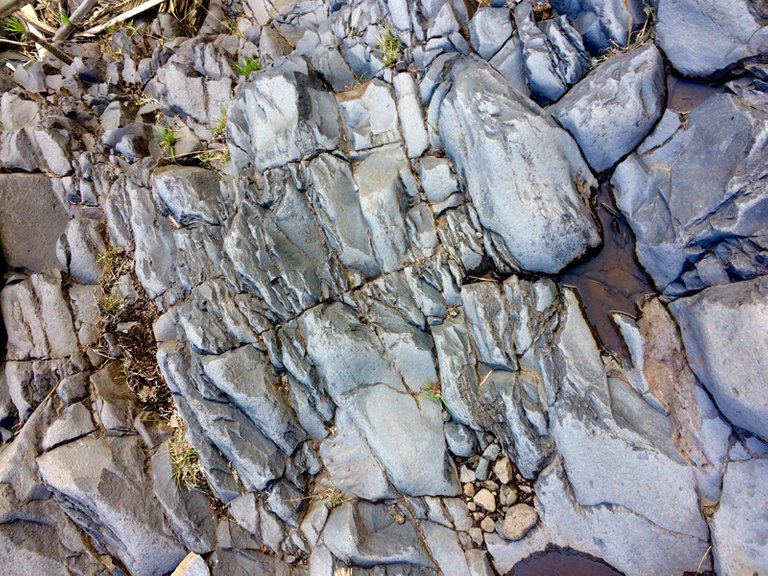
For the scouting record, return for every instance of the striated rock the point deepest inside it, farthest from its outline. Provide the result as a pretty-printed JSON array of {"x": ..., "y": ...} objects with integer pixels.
[
  {"x": 280, "y": 117},
  {"x": 102, "y": 485},
  {"x": 489, "y": 29},
  {"x": 706, "y": 39},
  {"x": 602, "y": 23},
  {"x": 726, "y": 343},
  {"x": 518, "y": 521},
  {"x": 411, "y": 115},
  {"x": 613, "y": 109},
  {"x": 369, "y": 115},
  {"x": 693, "y": 231},
  {"x": 75, "y": 422},
  {"x": 530, "y": 192},
  {"x": 739, "y": 530}
]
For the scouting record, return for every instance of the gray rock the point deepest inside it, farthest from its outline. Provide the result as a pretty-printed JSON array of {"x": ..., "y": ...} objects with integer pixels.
[
  {"x": 80, "y": 246},
  {"x": 726, "y": 344},
  {"x": 530, "y": 192},
  {"x": 518, "y": 521},
  {"x": 706, "y": 39},
  {"x": 739, "y": 529},
  {"x": 411, "y": 115},
  {"x": 249, "y": 381},
  {"x": 461, "y": 440},
  {"x": 114, "y": 402},
  {"x": 693, "y": 230},
  {"x": 309, "y": 121},
  {"x": 510, "y": 63},
  {"x": 191, "y": 194},
  {"x": 103, "y": 486},
  {"x": 445, "y": 549},
  {"x": 367, "y": 535},
  {"x": 613, "y": 109},
  {"x": 330, "y": 64},
  {"x": 489, "y": 323},
  {"x": 503, "y": 470},
  {"x": 436, "y": 178},
  {"x": 602, "y": 23},
  {"x": 192, "y": 565},
  {"x": 75, "y": 422},
  {"x": 369, "y": 115},
  {"x": 31, "y": 221},
  {"x": 489, "y": 29},
  {"x": 554, "y": 57}
]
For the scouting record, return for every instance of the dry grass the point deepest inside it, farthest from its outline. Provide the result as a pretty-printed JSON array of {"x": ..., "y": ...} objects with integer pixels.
[{"x": 185, "y": 461}]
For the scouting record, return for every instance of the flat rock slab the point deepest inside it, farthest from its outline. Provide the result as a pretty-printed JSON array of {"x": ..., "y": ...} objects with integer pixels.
[
  {"x": 706, "y": 38},
  {"x": 727, "y": 345},
  {"x": 31, "y": 221},
  {"x": 525, "y": 175}
]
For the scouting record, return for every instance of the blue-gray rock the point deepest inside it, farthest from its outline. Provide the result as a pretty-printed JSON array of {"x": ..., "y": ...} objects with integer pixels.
[
  {"x": 191, "y": 194},
  {"x": 436, "y": 178},
  {"x": 525, "y": 175},
  {"x": 705, "y": 39},
  {"x": 369, "y": 115},
  {"x": 726, "y": 343},
  {"x": 553, "y": 53},
  {"x": 411, "y": 115},
  {"x": 81, "y": 244},
  {"x": 510, "y": 63},
  {"x": 602, "y": 23},
  {"x": 444, "y": 547},
  {"x": 31, "y": 221},
  {"x": 75, "y": 422},
  {"x": 490, "y": 324},
  {"x": 739, "y": 528},
  {"x": 613, "y": 109},
  {"x": 461, "y": 439},
  {"x": 308, "y": 120},
  {"x": 695, "y": 209},
  {"x": 489, "y": 29},
  {"x": 103, "y": 485}
]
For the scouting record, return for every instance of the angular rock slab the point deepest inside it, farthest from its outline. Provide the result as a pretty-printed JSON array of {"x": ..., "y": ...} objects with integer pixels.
[
  {"x": 613, "y": 109},
  {"x": 724, "y": 331},
  {"x": 602, "y": 23},
  {"x": 706, "y": 38},
  {"x": 694, "y": 194},
  {"x": 103, "y": 487},
  {"x": 279, "y": 117},
  {"x": 525, "y": 175},
  {"x": 739, "y": 526}
]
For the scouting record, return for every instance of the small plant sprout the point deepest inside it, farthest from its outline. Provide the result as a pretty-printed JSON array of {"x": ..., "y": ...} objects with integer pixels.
[
  {"x": 248, "y": 65},
  {"x": 186, "y": 468},
  {"x": 168, "y": 140},
  {"x": 64, "y": 18},
  {"x": 390, "y": 46},
  {"x": 109, "y": 305},
  {"x": 14, "y": 26},
  {"x": 220, "y": 127},
  {"x": 434, "y": 391}
]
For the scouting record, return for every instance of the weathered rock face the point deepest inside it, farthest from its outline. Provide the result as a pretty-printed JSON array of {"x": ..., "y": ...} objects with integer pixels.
[
  {"x": 706, "y": 39},
  {"x": 533, "y": 204},
  {"x": 356, "y": 313},
  {"x": 696, "y": 209}
]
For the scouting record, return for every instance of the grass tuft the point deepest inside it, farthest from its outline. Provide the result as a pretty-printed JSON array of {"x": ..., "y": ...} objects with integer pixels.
[
  {"x": 187, "y": 470},
  {"x": 168, "y": 140},
  {"x": 390, "y": 46},
  {"x": 248, "y": 65},
  {"x": 13, "y": 25}
]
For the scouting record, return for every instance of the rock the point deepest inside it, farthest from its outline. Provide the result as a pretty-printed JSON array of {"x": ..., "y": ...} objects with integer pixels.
[
  {"x": 411, "y": 115},
  {"x": 445, "y": 549},
  {"x": 309, "y": 120},
  {"x": 507, "y": 496},
  {"x": 461, "y": 441},
  {"x": 469, "y": 490},
  {"x": 485, "y": 499},
  {"x": 192, "y": 565},
  {"x": 510, "y": 194},
  {"x": 602, "y": 23},
  {"x": 481, "y": 472},
  {"x": 738, "y": 528},
  {"x": 489, "y": 29},
  {"x": 613, "y": 109},
  {"x": 684, "y": 238},
  {"x": 437, "y": 179},
  {"x": 104, "y": 487},
  {"x": 706, "y": 39},
  {"x": 114, "y": 403},
  {"x": 503, "y": 470},
  {"x": 554, "y": 57},
  {"x": 518, "y": 521},
  {"x": 488, "y": 525},
  {"x": 74, "y": 422},
  {"x": 369, "y": 115},
  {"x": 31, "y": 220},
  {"x": 722, "y": 328}
]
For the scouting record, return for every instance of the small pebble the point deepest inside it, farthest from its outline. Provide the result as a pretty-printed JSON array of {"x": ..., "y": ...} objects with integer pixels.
[
  {"x": 488, "y": 525},
  {"x": 478, "y": 516},
  {"x": 507, "y": 495},
  {"x": 503, "y": 470},
  {"x": 492, "y": 452},
  {"x": 481, "y": 472},
  {"x": 477, "y": 535},
  {"x": 485, "y": 500},
  {"x": 491, "y": 485},
  {"x": 399, "y": 518},
  {"x": 466, "y": 475},
  {"x": 518, "y": 521},
  {"x": 471, "y": 506},
  {"x": 525, "y": 489},
  {"x": 469, "y": 490}
]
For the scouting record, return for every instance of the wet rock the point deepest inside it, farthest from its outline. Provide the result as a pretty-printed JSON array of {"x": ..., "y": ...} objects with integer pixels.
[
  {"x": 692, "y": 232},
  {"x": 366, "y": 534},
  {"x": 489, "y": 29},
  {"x": 31, "y": 221},
  {"x": 706, "y": 39},
  {"x": 369, "y": 114},
  {"x": 738, "y": 529},
  {"x": 602, "y": 23},
  {"x": 518, "y": 521},
  {"x": 554, "y": 55},
  {"x": 103, "y": 486},
  {"x": 726, "y": 344},
  {"x": 543, "y": 171},
  {"x": 309, "y": 121},
  {"x": 613, "y": 109}
]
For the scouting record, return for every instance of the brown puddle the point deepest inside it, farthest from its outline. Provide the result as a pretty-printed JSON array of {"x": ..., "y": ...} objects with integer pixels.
[
  {"x": 611, "y": 280},
  {"x": 684, "y": 95},
  {"x": 561, "y": 562}
]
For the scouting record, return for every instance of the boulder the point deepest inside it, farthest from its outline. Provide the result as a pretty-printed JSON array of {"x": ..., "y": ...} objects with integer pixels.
[
  {"x": 525, "y": 175},
  {"x": 613, "y": 109},
  {"x": 602, "y": 23}
]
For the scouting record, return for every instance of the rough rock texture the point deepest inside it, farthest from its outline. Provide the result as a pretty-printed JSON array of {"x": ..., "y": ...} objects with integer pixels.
[
  {"x": 602, "y": 22},
  {"x": 535, "y": 210},
  {"x": 614, "y": 108},
  {"x": 724, "y": 336},
  {"x": 705, "y": 39},
  {"x": 696, "y": 209}
]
